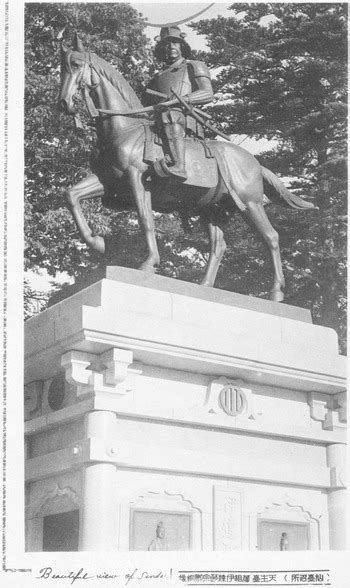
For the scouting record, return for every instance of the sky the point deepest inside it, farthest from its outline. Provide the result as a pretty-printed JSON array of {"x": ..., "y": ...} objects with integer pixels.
[{"x": 169, "y": 12}]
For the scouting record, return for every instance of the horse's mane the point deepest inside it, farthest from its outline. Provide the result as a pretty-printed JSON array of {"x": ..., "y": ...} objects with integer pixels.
[{"x": 116, "y": 79}]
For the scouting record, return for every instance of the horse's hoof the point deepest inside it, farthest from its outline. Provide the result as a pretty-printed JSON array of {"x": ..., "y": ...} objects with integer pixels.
[
  {"x": 97, "y": 243},
  {"x": 70, "y": 200},
  {"x": 147, "y": 267},
  {"x": 207, "y": 284},
  {"x": 276, "y": 296}
]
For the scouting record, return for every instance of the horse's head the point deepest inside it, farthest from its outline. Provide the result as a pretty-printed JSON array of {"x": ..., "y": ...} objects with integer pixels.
[{"x": 76, "y": 72}]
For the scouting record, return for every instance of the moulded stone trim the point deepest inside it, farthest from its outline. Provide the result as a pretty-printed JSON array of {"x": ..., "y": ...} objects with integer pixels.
[
  {"x": 341, "y": 406},
  {"x": 169, "y": 496},
  {"x": 66, "y": 492},
  {"x": 333, "y": 421},
  {"x": 278, "y": 507},
  {"x": 76, "y": 365},
  {"x": 318, "y": 405},
  {"x": 92, "y": 374},
  {"x": 61, "y": 416},
  {"x": 36, "y": 512},
  {"x": 330, "y": 410},
  {"x": 58, "y": 462},
  {"x": 117, "y": 362}
]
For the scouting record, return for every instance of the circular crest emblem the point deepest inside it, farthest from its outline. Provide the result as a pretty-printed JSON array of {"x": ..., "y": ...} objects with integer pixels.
[
  {"x": 56, "y": 392},
  {"x": 232, "y": 400}
]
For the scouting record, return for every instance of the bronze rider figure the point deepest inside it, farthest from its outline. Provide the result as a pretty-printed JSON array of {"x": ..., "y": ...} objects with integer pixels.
[{"x": 190, "y": 79}]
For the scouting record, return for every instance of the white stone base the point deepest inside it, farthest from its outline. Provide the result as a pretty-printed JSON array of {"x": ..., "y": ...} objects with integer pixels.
[{"x": 178, "y": 402}]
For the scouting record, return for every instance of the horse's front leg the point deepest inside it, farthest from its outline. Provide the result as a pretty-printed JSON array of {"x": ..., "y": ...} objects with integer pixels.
[
  {"x": 217, "y": 249},
  {"x": 89, "y": 187},
  {"x": 143, "y": 203}
]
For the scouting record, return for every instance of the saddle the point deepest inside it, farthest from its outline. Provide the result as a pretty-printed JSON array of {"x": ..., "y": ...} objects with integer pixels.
[{"x": 201, "y": 165}]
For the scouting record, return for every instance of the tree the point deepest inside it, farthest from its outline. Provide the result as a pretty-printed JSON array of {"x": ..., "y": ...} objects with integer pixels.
[
  {"x": 34, "y": 301},
  {"x": 283, "y": 74},
  {"x": 56, "y": 154}
]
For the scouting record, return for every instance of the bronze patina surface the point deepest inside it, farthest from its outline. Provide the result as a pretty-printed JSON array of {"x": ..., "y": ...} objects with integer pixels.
[{"x": 123, "y": 179}]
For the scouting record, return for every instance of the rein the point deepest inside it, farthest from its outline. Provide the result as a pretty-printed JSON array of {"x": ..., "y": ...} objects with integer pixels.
[{"x": 92, "y": 110}]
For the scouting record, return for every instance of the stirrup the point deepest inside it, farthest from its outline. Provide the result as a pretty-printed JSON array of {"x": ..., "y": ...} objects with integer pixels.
[{"x": 162, "y": 170}]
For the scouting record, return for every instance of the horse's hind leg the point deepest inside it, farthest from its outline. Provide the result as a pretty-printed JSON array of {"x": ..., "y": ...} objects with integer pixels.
[
  {"x": 255, "y": 214},
  {"x": 89, "y": 187},
  {"x": 217, "y": 250}
]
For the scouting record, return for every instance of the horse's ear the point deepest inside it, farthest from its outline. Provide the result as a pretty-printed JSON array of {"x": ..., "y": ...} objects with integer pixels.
[
  {"x": 78, "y": 45},
  {"x": 59, "y": 35}
]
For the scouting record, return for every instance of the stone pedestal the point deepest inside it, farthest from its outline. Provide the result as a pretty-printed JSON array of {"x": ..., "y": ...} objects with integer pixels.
[{"x": 149, "y": 399}]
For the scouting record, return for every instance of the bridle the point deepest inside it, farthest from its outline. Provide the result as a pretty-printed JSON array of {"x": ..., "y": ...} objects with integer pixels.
[
  {"x": 93, "y": 112},
  {"x": 83, "y": 85}
]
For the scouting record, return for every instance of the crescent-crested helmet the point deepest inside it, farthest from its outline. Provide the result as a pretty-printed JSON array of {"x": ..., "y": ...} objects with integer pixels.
[{"x": 171, "y": 32}]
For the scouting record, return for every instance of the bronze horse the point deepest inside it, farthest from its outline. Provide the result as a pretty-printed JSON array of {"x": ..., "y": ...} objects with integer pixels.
[{"x": 123, "y": 180}]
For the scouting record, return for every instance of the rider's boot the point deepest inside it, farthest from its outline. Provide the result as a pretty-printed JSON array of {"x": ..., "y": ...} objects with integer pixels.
[{"x": 177, "y": 149}]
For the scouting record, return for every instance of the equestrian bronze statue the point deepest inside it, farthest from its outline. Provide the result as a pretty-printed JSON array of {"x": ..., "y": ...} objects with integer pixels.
[{"x": 163, "y": 163}]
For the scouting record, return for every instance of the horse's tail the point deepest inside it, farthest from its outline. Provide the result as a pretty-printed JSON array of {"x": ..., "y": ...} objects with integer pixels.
[{"x": 279, "y": 194}]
